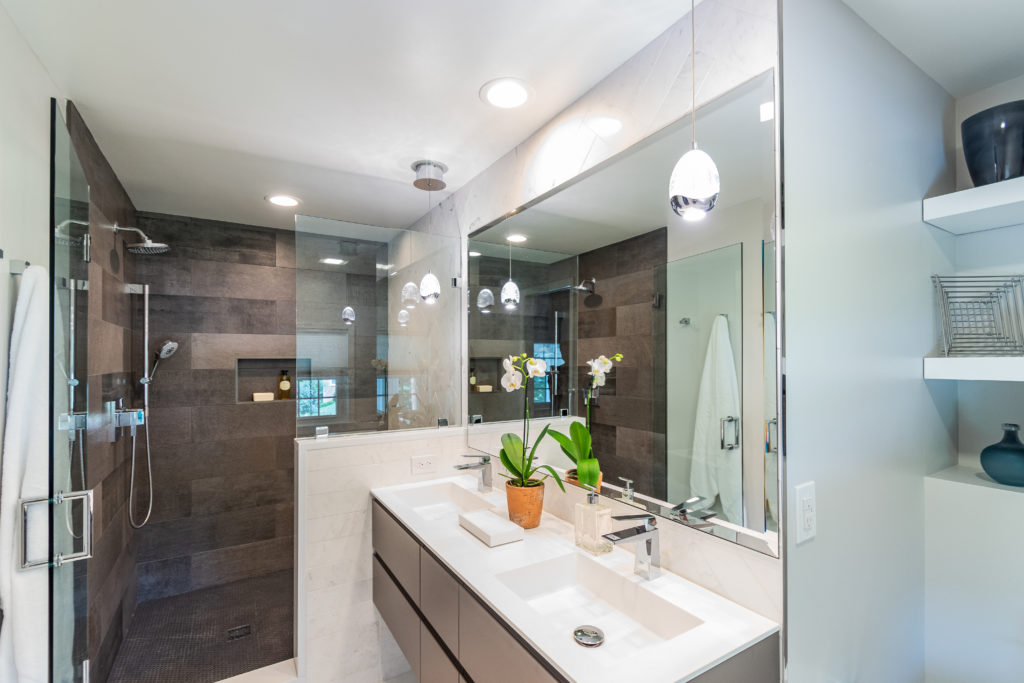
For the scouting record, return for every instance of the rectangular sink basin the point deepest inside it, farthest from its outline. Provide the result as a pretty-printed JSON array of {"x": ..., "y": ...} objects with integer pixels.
[
  {"x": 574, "y": 590},
  {"x": 440, "y": 501}
]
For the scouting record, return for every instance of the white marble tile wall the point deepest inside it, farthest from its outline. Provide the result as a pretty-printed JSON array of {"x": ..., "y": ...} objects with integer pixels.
[{"x": 338, "y": 634}]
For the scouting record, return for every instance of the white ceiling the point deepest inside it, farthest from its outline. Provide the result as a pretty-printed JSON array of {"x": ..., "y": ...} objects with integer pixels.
[
  {"x": 964, "y": 46},
  {"x": 629, "y": 197},
  {"x": 204, "y": 107}
]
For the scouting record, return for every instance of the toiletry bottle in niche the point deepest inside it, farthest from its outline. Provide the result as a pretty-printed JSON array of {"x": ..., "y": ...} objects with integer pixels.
[
  {"x": 284, "y": 387},
  {"x": 592, "y": 521}
]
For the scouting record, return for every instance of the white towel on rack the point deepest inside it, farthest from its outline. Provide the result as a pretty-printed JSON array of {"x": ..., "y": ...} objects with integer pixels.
[
  {"x": 24, "y": 595},
  {"x": 717, "y": 471}
]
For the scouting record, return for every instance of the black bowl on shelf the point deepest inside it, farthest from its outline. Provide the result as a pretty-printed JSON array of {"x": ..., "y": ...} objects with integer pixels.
[{"x": 994, "y": 143}]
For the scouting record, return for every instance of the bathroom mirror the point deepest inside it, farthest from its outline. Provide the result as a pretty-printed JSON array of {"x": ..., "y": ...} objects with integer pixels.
[{"x": 606, "y": 267}]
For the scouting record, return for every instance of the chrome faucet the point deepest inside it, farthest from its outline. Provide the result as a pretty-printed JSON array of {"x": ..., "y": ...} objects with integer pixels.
[
  {"x": 648, "y": 550},
  {"x": 483, "y": 464},
  {"x": 682, "y": 512}
]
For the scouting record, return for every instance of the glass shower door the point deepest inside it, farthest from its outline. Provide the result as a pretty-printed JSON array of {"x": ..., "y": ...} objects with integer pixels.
[{"x": 70, "y": 503}]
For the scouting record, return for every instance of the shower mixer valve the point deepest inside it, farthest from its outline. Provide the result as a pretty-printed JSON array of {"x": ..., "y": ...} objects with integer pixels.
[{"x": 119, "y": 418}]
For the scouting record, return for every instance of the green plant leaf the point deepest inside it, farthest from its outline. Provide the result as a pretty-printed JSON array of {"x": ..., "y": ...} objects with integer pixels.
[
  {"x": 529, "y": 469},
  {"x": 567, "y": 444},
  {"x": 581, "y": 436},
  {"x": 554, "y": 475},
  {"x": 512, "y": 451},
  {"x": 588, "y": 471}
]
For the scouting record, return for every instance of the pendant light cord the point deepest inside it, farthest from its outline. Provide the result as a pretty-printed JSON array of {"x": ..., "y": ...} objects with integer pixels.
[{"x": 693, "y": 74}]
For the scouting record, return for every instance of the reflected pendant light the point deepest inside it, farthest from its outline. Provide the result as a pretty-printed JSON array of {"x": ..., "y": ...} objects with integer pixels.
[
  {"x": 510, "y": 290},
  {"x": 348, "y": 315},
  {"x": 430, "y": 288},
  {"x": 484, "y": 300},
  {"x": 410, "y": 294},
  {"x": 694, "y": 185},
  {"x": 403, "y": 318}
]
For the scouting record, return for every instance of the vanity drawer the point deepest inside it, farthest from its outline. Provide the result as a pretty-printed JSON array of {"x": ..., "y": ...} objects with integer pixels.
[
  {"x": 399, "y": 616},
  {"x": 435, "y": 667},
  {"x": 759, "y": 663},
  {"x": 399, "y": 551},
  {"x": 439, "y": 600},
  {"x": 489, "y": 653}
]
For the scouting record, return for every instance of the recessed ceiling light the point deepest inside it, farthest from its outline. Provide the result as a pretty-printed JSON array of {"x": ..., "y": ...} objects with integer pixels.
[
  {"x": 333, "y": 261},
  {"x": 283, "y": 200},
  {"x": 516, "y": 238},
  {"x": 505, "y": 93},
  {"x": 474, "y": 254}
]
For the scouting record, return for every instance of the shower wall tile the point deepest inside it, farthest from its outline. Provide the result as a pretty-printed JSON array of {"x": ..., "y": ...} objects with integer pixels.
[
  {"x": 225, "y": 491},
  {"x": 107, "y": 366},
  {"x": 221, "y": 351}
]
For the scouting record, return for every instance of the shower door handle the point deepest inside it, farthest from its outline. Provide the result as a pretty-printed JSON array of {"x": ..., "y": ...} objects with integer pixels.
[
  {"x": 735, "y": 443},
  {"x": 87, "y": 522}
]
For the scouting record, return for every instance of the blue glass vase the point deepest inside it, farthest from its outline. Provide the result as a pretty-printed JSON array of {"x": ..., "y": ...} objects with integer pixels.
[{"x": 1004, "y": 461}]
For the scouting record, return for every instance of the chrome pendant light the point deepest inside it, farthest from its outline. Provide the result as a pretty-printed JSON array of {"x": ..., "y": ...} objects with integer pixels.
[
  {"x": 429, "y": 177},
  {"x": 348, "y": 315},
  {"x": 694, "y": 185},
  {"x": 510, "y": 290},
  {"x": 484, "y": 300}
]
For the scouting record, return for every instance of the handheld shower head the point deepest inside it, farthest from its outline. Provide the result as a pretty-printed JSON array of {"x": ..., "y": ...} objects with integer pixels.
[{"x": 167, "y": 349}]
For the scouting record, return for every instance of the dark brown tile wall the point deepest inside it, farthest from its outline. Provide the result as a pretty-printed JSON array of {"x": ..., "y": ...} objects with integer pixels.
[
  {"x": 620, "y": 317},
  {"x": 222, "y": 467},
  {"x": 106, "y": 312}
]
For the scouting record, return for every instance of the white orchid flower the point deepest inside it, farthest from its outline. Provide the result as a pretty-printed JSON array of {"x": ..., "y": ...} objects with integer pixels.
[
  {"x": 600, "y": 364},
  {"x": 535, "y": 367},
  {"x": 598, "y": 380},
  {"x": 512, "y": 381},
  {"x": 508, "y": 363}
]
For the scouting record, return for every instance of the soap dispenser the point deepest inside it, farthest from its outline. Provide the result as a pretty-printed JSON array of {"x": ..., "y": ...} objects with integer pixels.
[{"x": 592, "y": 521}]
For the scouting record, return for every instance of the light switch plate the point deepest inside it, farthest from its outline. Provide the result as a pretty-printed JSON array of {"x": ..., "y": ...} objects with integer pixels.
[
  {"x": 806, "y": 512},
  {"x": 424, "y": 464}
]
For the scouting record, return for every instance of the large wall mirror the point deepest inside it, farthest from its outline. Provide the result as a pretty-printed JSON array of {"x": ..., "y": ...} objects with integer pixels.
[{"x": 604, "y": 266}]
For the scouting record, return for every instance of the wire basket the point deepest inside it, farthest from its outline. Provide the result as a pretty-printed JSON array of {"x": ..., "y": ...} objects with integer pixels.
[{"x": 982, "y": 315}]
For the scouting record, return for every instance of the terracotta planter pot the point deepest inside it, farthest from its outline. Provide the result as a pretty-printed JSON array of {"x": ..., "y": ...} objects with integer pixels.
[
  {"x": 525, "y": 504},
  {"x": 570, "y": 476}
]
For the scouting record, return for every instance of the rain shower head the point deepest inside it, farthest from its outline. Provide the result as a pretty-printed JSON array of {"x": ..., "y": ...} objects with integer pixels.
[
  {"x": 167, "y": 349},
  {"x": 146, "y": 246},
  {"x": 587, "y": 286}
]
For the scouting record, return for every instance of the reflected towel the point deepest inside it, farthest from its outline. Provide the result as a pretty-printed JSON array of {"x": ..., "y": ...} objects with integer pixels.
[
  {"x": 715, "y": 470},
  {"x": 24, "y": 594}
]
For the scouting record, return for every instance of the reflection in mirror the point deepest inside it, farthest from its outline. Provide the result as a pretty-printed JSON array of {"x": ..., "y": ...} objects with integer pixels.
[
  {"x": 372, "y": 351},
  {"x": 688, "y": 415}
]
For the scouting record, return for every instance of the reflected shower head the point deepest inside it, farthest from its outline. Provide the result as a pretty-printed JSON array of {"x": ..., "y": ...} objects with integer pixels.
[
  {"x": 149, "y": 247},
  {"x": 146, "y": 246},
  {"x": 167, "y": 349},
  {"x": 587, "y": 286}
]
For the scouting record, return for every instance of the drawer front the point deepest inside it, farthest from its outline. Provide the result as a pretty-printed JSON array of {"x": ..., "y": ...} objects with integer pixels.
[
  {"x": 435, "y": 667},
  {"x": 759, "y": 663},
  {"x": 399, "y": 616},
  {"x": 489, "y": 653},
  {"x": 439, "y": 600},
  {"x": 399, "y": 550}
]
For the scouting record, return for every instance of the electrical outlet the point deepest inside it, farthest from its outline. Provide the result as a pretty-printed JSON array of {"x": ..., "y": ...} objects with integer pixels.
[
  {"x": 806, "y": 512},
  {"x": 424, "y": 464}
]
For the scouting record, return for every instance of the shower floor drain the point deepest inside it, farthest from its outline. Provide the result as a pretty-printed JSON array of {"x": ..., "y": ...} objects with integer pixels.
[{"x": 240, "y": 632}]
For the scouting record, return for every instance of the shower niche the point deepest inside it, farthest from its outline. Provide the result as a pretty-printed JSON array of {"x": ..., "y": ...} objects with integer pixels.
[{"x": 261, "y": 376}]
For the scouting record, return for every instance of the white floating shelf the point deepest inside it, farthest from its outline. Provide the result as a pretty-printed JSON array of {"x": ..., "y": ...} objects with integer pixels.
[
  {"x": 990, "y": 369},
  {"x": 999, "y": 205}
]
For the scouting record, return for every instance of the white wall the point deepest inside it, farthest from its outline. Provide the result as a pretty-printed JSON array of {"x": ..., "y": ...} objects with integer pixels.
[
  {"x": 25, "y": 92},
  {"x": 864, "y": 143}
]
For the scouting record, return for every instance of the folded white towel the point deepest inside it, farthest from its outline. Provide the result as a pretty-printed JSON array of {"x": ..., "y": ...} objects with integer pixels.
[{"x": 490, "y": 528}]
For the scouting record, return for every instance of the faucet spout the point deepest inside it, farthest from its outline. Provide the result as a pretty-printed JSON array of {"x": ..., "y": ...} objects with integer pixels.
[
  {"x": 648, "y": 549},
  {"x": 483, "y": 465}
]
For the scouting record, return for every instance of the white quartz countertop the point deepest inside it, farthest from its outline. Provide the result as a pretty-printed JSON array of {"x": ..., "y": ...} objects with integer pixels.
[{"x": 725, "y": 628}]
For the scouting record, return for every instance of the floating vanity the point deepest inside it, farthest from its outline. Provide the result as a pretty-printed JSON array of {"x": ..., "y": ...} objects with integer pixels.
[{"x": 462, "y": 611}]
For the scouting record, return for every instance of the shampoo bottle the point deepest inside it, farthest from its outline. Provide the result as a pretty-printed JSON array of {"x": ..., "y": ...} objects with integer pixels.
[
  {"x": 592, "y": 521},
  {"x": 284, "y": 387}
]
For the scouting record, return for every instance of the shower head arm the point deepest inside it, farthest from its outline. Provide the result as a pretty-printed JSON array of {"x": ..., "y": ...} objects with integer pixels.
[{"x": 117, "y": 228}]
